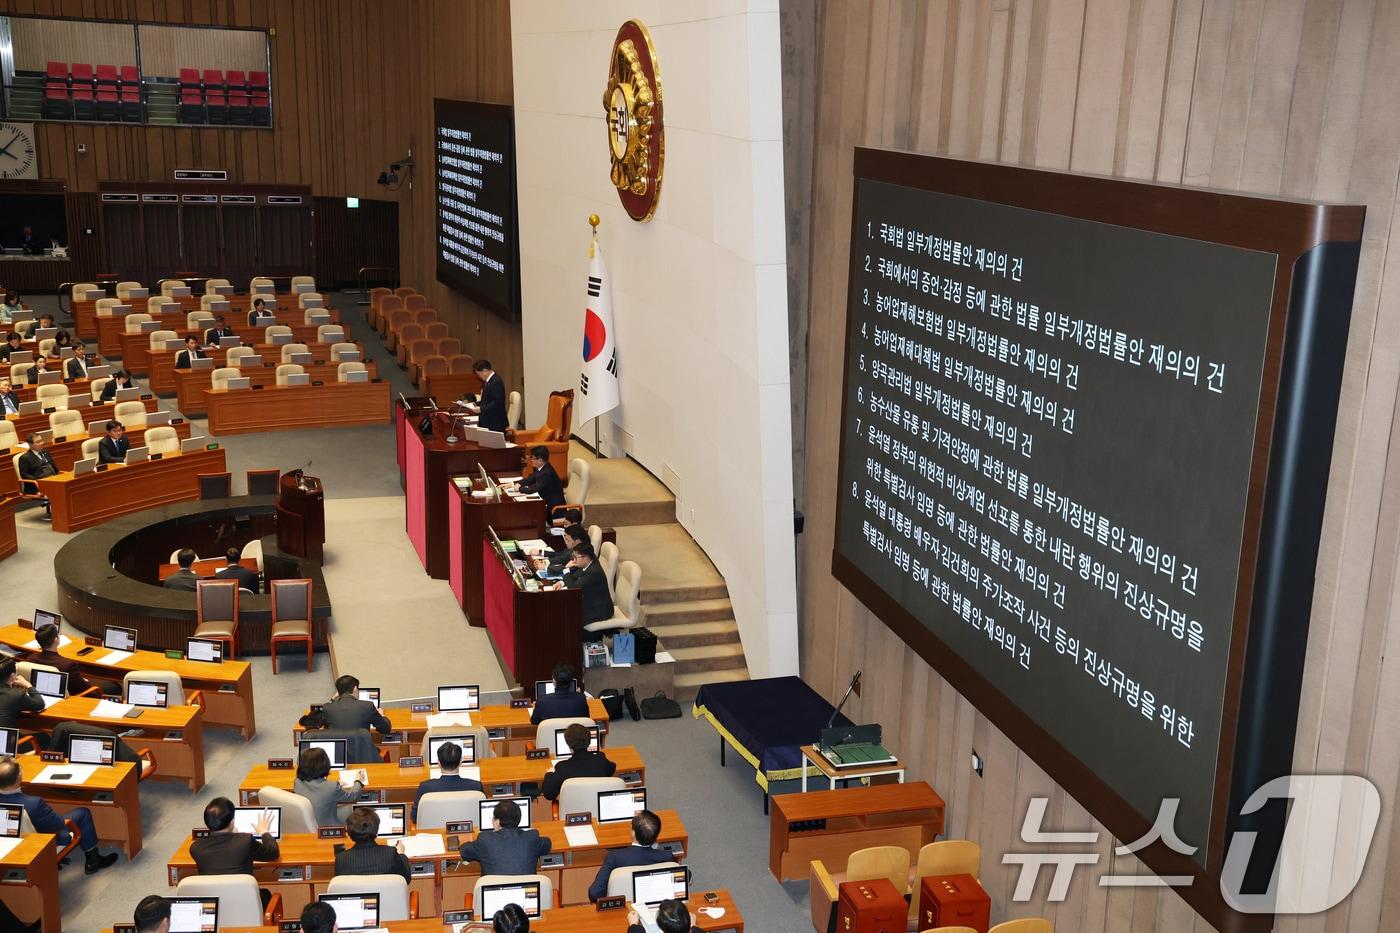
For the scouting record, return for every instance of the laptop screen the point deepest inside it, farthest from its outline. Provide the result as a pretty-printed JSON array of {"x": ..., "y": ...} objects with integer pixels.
[
  {"x": 204, "y": 649},
  {"x": 455, "y": 699},
  {"x": 616, "y": 806},
  {"x": 148, "y": 693},
  {"x": 9, "y": 820},
  {"x": 354, "y": 911},
  {"x": 495, "y": 897},
  {"x": 193, "y": 914},
  {"x": 245, "y": 820},
  {"x": 92, "y": 749},
  {"x": 51, "y": 683},
  {"x": 466, "y": 742},
  {"x": 487, "y": 810},
  {"x": 9, "y": 740},
  {"x": 561, "y": 748},
  {"x": 392, "y": 819},
  {"x": 544, "y": 688},
  {"x": 119, "y": 639},
  {"x": 660, "y": 884},
  {"x": 334, "y": 749},
  {"x": 371, "y": 694},
  {"x": 43, "y": 617}
]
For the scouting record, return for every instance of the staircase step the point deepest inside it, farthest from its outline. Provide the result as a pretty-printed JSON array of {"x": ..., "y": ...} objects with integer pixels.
[
  {"x": 687, "y": 685},
  {"x": 617, "y": 514},
  {"x": 695, "y": 634},
  {"x": 707, "y": 657},
  {"x": 683, "y": 611},
  {"x": 653, "y": 597}
]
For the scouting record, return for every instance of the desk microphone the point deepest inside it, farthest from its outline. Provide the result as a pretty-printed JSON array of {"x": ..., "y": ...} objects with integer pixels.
[{"x": 855, "y": 682}]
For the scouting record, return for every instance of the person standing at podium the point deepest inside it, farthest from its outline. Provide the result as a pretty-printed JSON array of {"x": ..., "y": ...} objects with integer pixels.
[
  {"x": 113, "y": 447},
  {"x": 492, "y": 407}
]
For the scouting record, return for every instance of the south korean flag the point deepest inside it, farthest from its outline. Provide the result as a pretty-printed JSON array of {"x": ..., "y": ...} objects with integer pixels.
[{"x": 598, "y": 387}]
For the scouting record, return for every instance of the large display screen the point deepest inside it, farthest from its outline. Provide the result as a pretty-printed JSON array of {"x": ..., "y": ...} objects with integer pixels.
[
  {"x": 478, "y": 250},
  {"x": 1056, "y": 430}
]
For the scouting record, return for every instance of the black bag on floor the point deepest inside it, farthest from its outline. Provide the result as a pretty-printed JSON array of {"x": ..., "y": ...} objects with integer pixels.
[
  {"x": 660, "y": 707},
  {"x": 612, "y": 702},
  {"x": 629, "y": 697},
  {"x": 646, "y": 645}
]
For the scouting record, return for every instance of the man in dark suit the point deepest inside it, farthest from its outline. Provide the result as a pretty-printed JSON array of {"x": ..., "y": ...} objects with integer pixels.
[
  {"x": 557, "y": 561},
  {"x": 564, "y": 703},
  {"x": 367, "y": 856},
  {"x": 585, "y": 573},
  {"x": 543, "y": 482},
  {"x": 449, "y": 760},
  {"x": 17, "y": 695},
  {"x": 113, "y": 447},
  {"x": 184, "y": 578},
  {"x": 47, "y": 638},
  {"x": 186, "y": 357},
  {"x": 45, "y": 820},
  {"x": 14, "y": 343},
  {"x": 121, "y": 379},
  {"x": 247, "y": 579},
  {"x": 646, "y": 826},
  {"x": 492, "y": 407},
  {"x": 36, "y": 463},
  {"x": 76, "y": 367},
  {"x": 225, "y": 852},
  {"x": 213, "y": 335},
  {"x": 506, "y": 849},
  {"x": 580, "y": 763},
  {"x": 30, "y": 243},
  {"x": 348, "y": 711},
  {"x": 9, "y": 398},
  {"x": 359, "y": 745}
]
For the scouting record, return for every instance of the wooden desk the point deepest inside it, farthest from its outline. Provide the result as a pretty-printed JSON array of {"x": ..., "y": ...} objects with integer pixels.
[
  {"x": 65, "y": 453},
  {"x": 531, "y": 630},
  {"x": 510, "y": 728},
  {"x": 175, "y": 736},
  {"x": 9, "y": 537},
  {"x": 110, "y": 329},
  {"x": 28, "y": 393},
  {"x": 82, "y": 501},
  {"x": 190, "y": 384},
  {"x": 908, "y": 815},
  {"x": 30, "y": 886},
  {"x": 501, "y": 777},
  {"x": 86, "y": 322},
  {"x": 813, "y": 760},
  {"x": 110, "y": 794},
  {"x": 39, "y": 421},
  {"x": 467, "y": 521},
  {"x": 285, "y": 408},
  {"x": 448, "y": 388},
  {"x": 206, "y": 569},
  {"x": 226, "y": 689},
  {"x": 135, "y": 349},
  {"x": 440, "y": 879}
]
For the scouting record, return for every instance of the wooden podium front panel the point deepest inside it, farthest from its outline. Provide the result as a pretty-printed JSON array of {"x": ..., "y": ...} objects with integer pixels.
[
  {"x": 9, "y": 538},
  {"x": 284, "y": 408},
  {"x": 447, "y": 389},
  {"x": 532, "y": 631},
  {"x": 111, "y": 329},
  {"x": 26, "y": 424},
  {"x": 468, "y": 520},
  {"x": 66, "y": 453},
  {"x": 82, "y": 501},
  {"x": 190, "y": 384}
]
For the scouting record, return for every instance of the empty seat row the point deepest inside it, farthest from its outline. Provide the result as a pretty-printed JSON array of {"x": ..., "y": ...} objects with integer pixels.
[
  {"x": 211, "y": 97},
  {"x": 87, "y": 93}
]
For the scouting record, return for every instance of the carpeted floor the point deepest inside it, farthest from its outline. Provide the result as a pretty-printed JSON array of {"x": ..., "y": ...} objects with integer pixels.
[{"x": 388, "y": 613}]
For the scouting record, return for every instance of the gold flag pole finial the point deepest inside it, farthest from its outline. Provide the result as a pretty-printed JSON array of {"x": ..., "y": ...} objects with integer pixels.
[{"x": 593, "y": 221}]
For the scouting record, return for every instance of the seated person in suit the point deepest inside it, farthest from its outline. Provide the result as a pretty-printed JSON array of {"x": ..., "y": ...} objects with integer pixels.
[
  {"x": 492, "y": 407},
  {"x": 113, "y": 447},
  {"x": 367, "y": 856},
  {"x": 152, "y": 915},
  {"x": 60, "y": 340},
  {"x": 76, "y": 366},
  {"x": 326, "y": 796},
  {"x": 543, "y": 481},
  {"x": 36, "y": 464},
  {"x": 41, "y": 366},
  {"x": 573, "y": 534},
  {"x": 318, "y": 917},
  {"x": 45, "y": 820},
  {"x": 359, "y": 746},
  {"x": 510, "y": 919},
  {"x": 17, "y": 695},
  {"x": 13, "y": 344},
  {"x": 186, "y": 357},
  {"x": 348, "y": 711},
  {"x": 505, "y": 848},
  {"x": 646, "y": 826},
  {"x": 449, "y": 760},
  {"x": 45, "y": 321},
  {"x": 564, "y": 703},
  {"x": 184, "y": 578},
  {"x": 213, "y": 335},
  {"x": 247, "y": 579},
  {"x": 11, "y": 305},
  {"x": 671, "y": 917},
  {"x": 121, "y": 379},
  {"x": 585, "y": 573},
  {"x": 225, "y": 852},
  {"x": 9, "y": 398},
  {"x": 580, "y": 763},
  {"x": 260, "y": 316},
  {"x": 47, "y": 638}
]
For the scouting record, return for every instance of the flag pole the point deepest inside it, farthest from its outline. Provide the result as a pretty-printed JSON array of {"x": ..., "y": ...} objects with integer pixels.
[{"x": 593, "y": 221}]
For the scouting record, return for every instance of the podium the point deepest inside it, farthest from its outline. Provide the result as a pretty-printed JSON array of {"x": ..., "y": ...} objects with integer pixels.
[
  {"x": 301, "y": 515},
  {"x": 468, "y": 518}
]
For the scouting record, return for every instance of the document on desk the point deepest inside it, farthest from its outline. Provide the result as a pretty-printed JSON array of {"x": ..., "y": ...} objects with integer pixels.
[
  {"x": 113, "y": 657},
  {"x": 106, "y": 709},
  {"x": 48, "y": 700},
  {"x": 348, "y": 778},
  {"x": 459, "y": 718},
  {"x": 664, "y": 657},
  {"x": 64, "y": 774},
  {"x": 63, "y": 642},
  {"x": 423, "y": 845},
  {"x": 579, "y": 836},
  {"x": 7, "y": 845},
  {"x": 534, "y": 544}
]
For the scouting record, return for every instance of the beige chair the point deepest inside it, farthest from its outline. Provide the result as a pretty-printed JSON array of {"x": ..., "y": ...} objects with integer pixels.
[
  {"x": 240, "y": 905},
  {"x": 26, "y": 669},
  {"x": 546, "y": 887},
  {"x": 105, "y": 306},
  {"x": 482, "y": 745},
  {"x": 298, "y": 815},
  {"x": 52, "y": 396},
  {"x": 90, "y": 447},
  {"x": 945, "y": 857},
  {"x": 130, "y": 414},
  {"x": 951, "y": 930},
  {"x": 437, "y": 809},
  {"x": 579, "y": 479},
  {"x": 206, "y": 301},
  {"x": 289, "y": 348},
  {"x": 163, "y": 440},
  {"x": 288, "y": 369},
  {"x": 252, "y": 549},
  {"x": 303, "y": 280},
  {"x": 330, "y": 333},
  {"x": 159, "y": 337},
  {"x": 216, "y": 613},
  {"x": 580, "y": 794},
  {"x": 19, "y": 372},
  {"x": 168, "y": 284},
  {"x": 257, "y": 280},
  {"x": 174, "y": 687},
  {"x": 608, "y": 560},
  {"x": 890, "y": 862},
  {"x": 97, "y": 385},
  {"x": 161, "y": 303},
  {"x": 219, "y": 378},
  {"x": 595, "y": 537},
  {"x": 124, "y": 290},
  {"x": 1024, "y": 925},
  {"x": 131, "y": 324},
  {"x": 46, "y": 346},
  {"x": 396, "y": 901},
  {"x": 275, "y": 330},
  {"x": 627, "y": 600},
  {"x": 620, "y": 879},
  {"x": 26, "y": 328},
  {"x": 211, "y": 284},
  {"x": 513, "y": 410},
  {"x": 301, "y": 300},
  {"x": 79, "y": 291},
  {"x": 291, "y": 617},
  {"x": 343, "y": 346},
  {"x": 203, "y": 320},
  {"x": 235, "y": 354},
  {"x": 65, "y": 424},
  {"x": 342, "y": 371},
  {"x": 9, "y": 437},
  {"x": 544, "y": 734}
]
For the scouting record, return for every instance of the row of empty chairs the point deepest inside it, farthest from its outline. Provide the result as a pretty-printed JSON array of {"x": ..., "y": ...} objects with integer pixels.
[
  {"x": 124, "y": 289},
  {"x": 103, "y": 92},
  {"x": 233, "y": 98}
]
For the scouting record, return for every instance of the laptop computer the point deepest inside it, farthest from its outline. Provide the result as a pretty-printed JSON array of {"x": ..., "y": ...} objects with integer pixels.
[
  {"x": 371, "y": 694},
  {"x": 486, "y": 809},
  {"x": 156, "y": 419},
  {"x": 51, "y": 685},
  {"x": 193, "y": 914},
  {"x": 455, "y": 699},
  {"x": 393, "y": 819},
  {"x": 544, "y": 688},
  {"x": 359, "y": 375},
  {"x": 129, "y": 394},
  {"x": 92, "y": 749},
  {"x": 204, "y": 649},
  {"x": 562, "y": 749},
  {"x": 151, "y": 694},
  {"x": 238, "y": 382},
  {"x": 245, "y": 819},
  {"x": 466, "y": 742},
  {"x": 335, "y": 749},
  {"x": 651, "y": 887},
  {"x": 495, "y": 897},
  {"x": 43, "y": 617},
  {"x": 190, "y": 444},
  {"x": 226, "y": 342},
  {"x": 619, "y": 806},
  {"x": 31, "y": 407},
  {"x": 119, "y": 639},
  {"x": 9, "y": 741},
  {"x": 317, "y": 318},
  {"x": 349, "y": 356},
  {"x": 354, "y": 911},
  {"x": 251, "y": 361},
  {"x": 52, "y": 377},
  {"x": 10, "y": 815},
  {"x": 138, "y": 293},
  {"x": 298, "y": 379},
  {"x": 203, "y": 362},
  {"x": 138, "y": 454},
  {"x": 84, "y": 466},
  {"x": 19, "y": 357},
  {"x": 303, "y": 288}
]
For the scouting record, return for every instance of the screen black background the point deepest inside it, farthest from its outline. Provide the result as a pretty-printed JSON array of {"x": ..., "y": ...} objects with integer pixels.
[
  {"x": 492, "y": 129},
  {"x": 1165, "y": 459}
]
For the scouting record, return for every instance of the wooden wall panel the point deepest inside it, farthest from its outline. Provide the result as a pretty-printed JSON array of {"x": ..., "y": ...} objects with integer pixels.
[
  {"x": 36, "y": 42},
  {"x": 167, "y": 49},
  {"x": 1290, "y": 98}
]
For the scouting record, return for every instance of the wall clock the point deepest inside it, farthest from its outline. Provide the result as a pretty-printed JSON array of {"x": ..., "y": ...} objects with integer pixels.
[{"x": 18, "y": 156}]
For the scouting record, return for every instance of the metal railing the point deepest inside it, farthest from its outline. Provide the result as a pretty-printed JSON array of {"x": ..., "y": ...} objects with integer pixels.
[{"x": 364, "y": 289}]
